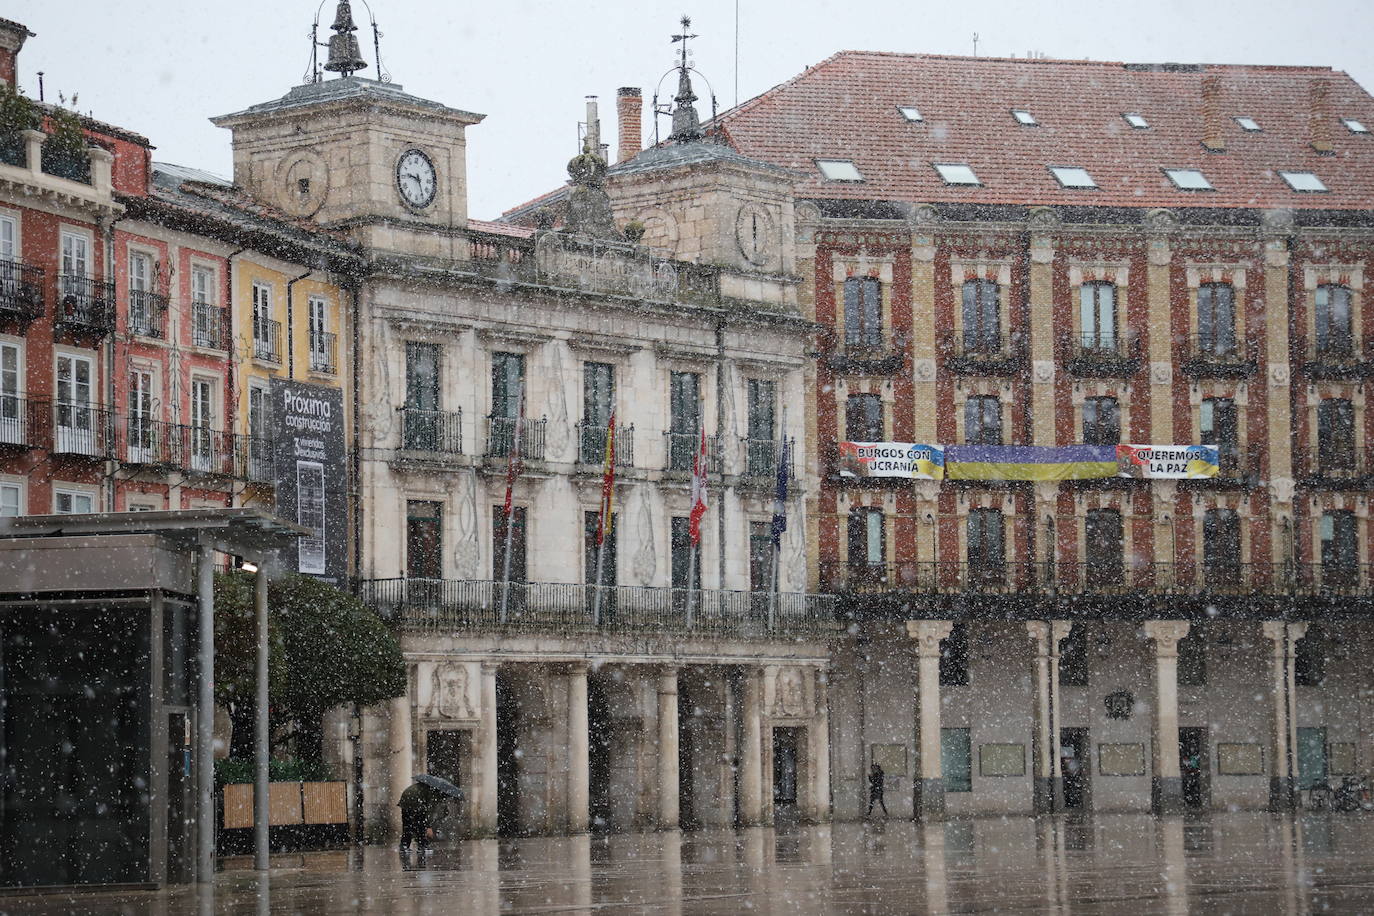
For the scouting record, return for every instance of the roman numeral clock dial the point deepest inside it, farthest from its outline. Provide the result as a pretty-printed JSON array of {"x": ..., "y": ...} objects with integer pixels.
[{"x": 415, "y": 179}]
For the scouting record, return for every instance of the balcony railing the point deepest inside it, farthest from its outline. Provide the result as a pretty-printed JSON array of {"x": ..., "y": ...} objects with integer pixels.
[
  {"x": 267, "y": 340},
  {"x": 207, "y": 451},
  {"x": 450, "y": 605},
  {"x": 591, "y": 445},
  {"x": 147, "y": 314},
  {"x": 209, "y": 326},
  {"x": 761, "y": 457},
  {"x": 868, "y": 352},
  {"x": 1334, "y": 578},
  {"x": 21, "y": 291},
  {"x": 323, "y": 352},
  {"x": 681, "y": 450},
  {"x": 1219, "y": 356},
  {"x": 432, "y": 430},
  {"x": 20, "y": 421},
  {"x": 85, "y": 304},
  {"x": 1336, "y": 356},
  {"x": 931, "y": 578},
  {"x": 1341, "y": 466},
  {"x": 254, "y": 459},
  {"x": 81, "y": 429},
  {"x": 983, "y": 354},
  {"x": 1103, "y": 355},
  {"x": 145, "y": 441},
  {"x": 501, "y": 436}
]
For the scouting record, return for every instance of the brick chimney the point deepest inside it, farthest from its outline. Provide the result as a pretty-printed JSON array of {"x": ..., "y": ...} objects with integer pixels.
[
  {"x": 1213, "y": 121},
  {"x": 12, "y": 38},
  {"x": 629, "y": 105},
  {"x": 1319, "y": 116}
]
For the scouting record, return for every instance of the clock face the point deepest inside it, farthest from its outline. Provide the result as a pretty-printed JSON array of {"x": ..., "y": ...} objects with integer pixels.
[
  {"x": 415, "y": 179},
  {"x": 754, "y": 233}
]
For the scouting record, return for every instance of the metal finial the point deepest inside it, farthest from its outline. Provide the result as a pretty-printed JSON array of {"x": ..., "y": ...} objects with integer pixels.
[{"x": 345, "y": 57}]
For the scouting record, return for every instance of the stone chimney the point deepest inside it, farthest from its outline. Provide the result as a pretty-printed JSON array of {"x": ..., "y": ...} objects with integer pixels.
[
  {"x": 12, "y": 38},
  {"x": 629, "y": 105},
  {"x": 1213, "y": 121},
  {"x": 1319, "y": 116}
]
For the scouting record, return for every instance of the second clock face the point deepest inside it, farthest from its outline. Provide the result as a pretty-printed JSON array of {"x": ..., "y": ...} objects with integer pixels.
[{"x": 415, "y": 179}]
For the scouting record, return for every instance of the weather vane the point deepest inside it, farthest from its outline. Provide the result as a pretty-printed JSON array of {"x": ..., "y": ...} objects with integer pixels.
[{"x": 684, "y": 37}]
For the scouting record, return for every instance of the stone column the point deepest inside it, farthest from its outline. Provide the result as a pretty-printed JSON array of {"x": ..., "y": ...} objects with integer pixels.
[
  {"x": 1047, "y": 787},
  {"x": 820, "y": 751},
  {"x": 1166, "y": 788},
  {"x": 667, "y": 748},
  {"x": 402, "y": 754},
  {"x": 484, "y": 811},
  {"x": 579, "y": 789},
  {"x": 751, "y": 753},
  {"x": 930, "y": 783},
  {"x": 1284, "y": 766}
]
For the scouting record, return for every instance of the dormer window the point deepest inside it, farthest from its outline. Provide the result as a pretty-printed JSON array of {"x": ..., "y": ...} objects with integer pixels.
[
  {"x": 839, "y": 170},
  {"x": 911, "y": 114},
  {"x": 1189, "y": 180},
  {"x": 1072, "y": 177},
  {"x": 956, "y": 173},
  {"x": 1024, "y": 118},
  {"x": 1249, "y": 124},
  {"x": 1137, "y": 121},
  {"x": 1303, "y": 181},
  {"x": 1354, "y": 126}
]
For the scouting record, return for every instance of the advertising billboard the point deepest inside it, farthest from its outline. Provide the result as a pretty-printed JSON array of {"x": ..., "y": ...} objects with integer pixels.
[{"x": 312, "y": 475}]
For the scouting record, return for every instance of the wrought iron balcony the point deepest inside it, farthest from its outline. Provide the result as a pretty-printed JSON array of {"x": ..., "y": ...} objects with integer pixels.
[
  {"x": 266, "y": 340},
  {"x": 255, "y": 459},
  {"x": 209, "y": 326},
  {"x": 591, "y": 445},
  {"x": 1102, "y": 355},
  {"x": 21, "y": 421},
  {"x": 451, "y": 605},
  {"x": 931, "y": 577},
  {"x": 1336, "y": 356},
  {"x": 761, "y": 458},
  {"x": 323, "y": 352},
  {"x": 1334, "y": 579},
  {"x": 147, "y": 314},
  {"x": 1334, "y": 466},
  {"x": 681, "y": 450},
  {"x": 1219, "y": 356},
  {"x": 968, "y": 353},
  {"x": 867, "y": 352},
  {"x": 432, "y": 430},
  {"x": 21, "y": 291},
  {"x": 82, "y": 429},
  {"x": 207, "y": 451},
  {"x": 85, "y": 305},
  {"x": 501, "y": 436},
  {"x": 148, "y": 442}
]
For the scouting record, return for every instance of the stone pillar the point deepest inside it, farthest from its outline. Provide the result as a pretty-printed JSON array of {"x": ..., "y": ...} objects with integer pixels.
[
  {"x": 667, "y": 749},
  {"x": 1166, "y": 788},
  {"x": 751, "y": 753},
  {"x": 820, "y": 751},
  {"x": 579, "y": 789},
  {"x": 402, "y": 754},
  {"x": 1047, "y": 786},
  {"x": 484, "y": 811},
  {"x": 930, "y": 783},
  {"x": 1283, "y": 780}
]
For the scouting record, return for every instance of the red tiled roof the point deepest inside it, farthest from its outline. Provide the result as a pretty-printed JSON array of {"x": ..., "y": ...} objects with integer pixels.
[{"x": 846, "y": 108}]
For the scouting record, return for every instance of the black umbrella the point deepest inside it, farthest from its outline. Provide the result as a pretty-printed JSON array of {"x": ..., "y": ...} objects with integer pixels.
[{"x": 439, "y": 784}]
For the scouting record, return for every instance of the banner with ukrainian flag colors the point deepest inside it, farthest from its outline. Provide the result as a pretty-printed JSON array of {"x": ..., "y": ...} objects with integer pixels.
[
  {"x": 1030, "y": 462},
  {"x": 1167, "y": 462},
  {"x": 892, "y": 459}
]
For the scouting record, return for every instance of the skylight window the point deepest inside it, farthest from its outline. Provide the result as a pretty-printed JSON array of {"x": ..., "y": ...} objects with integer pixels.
[
  {"x": 1354, "y": 126},
  {"x": 1249, "y": 124},
  {"x": 956, "y": 173},
  {"x": 1073, "y": 177},
  {"x": 1189, "y": 180},
  {"x": 1303, "y": 181},
  {"x": 839, "y": 170},
  {"x": 1137, "y": 121},
  {"x": 911, "y": 114},
  {"x": 1024, "y": 118}
]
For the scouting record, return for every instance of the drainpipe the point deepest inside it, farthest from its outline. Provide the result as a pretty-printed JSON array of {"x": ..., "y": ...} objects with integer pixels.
[
  {"x": 356, "y": 503},
  {"x": 231, "y": 402},
  {"x": 110, "y": 465},
  {"x": 290, "y": 335},
  {"x": 720, "y": 447}
]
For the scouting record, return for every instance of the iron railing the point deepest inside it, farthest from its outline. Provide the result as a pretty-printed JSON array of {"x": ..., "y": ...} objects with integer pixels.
[
  {"x": 20, "y": 420},
  {"x": 85, "y": 304},
  {"x": 266, "y": 339},
  {"x": 971, "y": 353},
  {"x": 207, "y": 451},
  {"x": 1103, "y": 355},
  {"x": 323, "y": 352},
  {"x": 1219, "y": 356},
  {"x": 147, "y": 314},
  {"x": 81, "y": 429},
  {"x": 1334, "y": 465},
  {"x": 867, "y": 352},
  {"x": 1334, "y": 578},
  {"x": 681, "y": 451},
  {"x": 21, "y": 291},
  {"x": 254, "y": 459},
  {"x": 209, "y": 326},
  {"x": 432, "y": 430},
  {"x": 145, "y": 441},
  {"x": 449, "y": 605},
  {"x": 501, "y": 436},
  {"x": 1336, "y": 356},
  {"x": 761, "y": 457},
  {"x": 591, "y": 444}
]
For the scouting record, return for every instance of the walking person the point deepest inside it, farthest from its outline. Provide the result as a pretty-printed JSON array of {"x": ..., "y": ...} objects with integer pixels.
[
  {"x": 424, "y": 805},
  {"x": 875, "y": 789}
]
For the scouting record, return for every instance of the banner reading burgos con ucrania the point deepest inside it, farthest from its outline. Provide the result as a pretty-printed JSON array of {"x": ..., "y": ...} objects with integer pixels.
[
  {"x": 892, "y": 459},
  {"x": 1167, "y": 462}
]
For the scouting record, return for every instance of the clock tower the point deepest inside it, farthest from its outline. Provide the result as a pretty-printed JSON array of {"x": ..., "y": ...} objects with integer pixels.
[{"x": 358, "y": 154}]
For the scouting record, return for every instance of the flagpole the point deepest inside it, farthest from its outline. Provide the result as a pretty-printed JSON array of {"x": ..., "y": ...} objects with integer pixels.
[
  {"x": 512, "y": 460},
  {"x": 691, "y": 578},
  {"x": 780, "y": 507},
  {"x": 698, "y": 509},
  {"x": 603, "y": 528}
]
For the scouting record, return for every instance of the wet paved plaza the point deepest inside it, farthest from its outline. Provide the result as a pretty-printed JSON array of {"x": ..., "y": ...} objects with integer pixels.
[{"x": 1135, "y": 864}]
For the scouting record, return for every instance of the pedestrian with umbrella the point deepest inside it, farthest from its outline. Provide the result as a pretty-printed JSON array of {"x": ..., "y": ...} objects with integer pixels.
[{"x": 422, "y": 807}]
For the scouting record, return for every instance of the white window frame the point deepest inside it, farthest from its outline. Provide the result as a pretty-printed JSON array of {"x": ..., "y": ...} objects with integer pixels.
[
  {"x": 71, "y": 490},
  {"x": 1062, "y": 173},
  {"x": 310, "y": 513},
  {"x": 143, "y": 404},
  {"x": 12, "y": 493},
  {"x": 1181, "y": 183},
  {"x": 911, "y": 113},
  {"x": 1355, "y": 125},
  {"x": 1295, "y": 178},
  {"x": 79, "y": 434},
  {"x": 317, "y": 314},
  {"x": 262, "y": 314},
  {"x": 1024, "y": 117},
  {"x": 1136, "y": 120},
  {"x": 9, "y": 247},
  {"x": 840, "y": 170},
  {"x": 12, "y": 425},
  {"x": 203, "y": 422},
  {"x": 79, "y": 266},
  {"x": 955, "y": 178},
  {"x": 1248, "y": 124}
]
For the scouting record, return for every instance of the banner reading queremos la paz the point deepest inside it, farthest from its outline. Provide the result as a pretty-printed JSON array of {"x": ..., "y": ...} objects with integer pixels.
[
  {"x": 892, "y": 459},
  {"x": 1167, "y": 462}
]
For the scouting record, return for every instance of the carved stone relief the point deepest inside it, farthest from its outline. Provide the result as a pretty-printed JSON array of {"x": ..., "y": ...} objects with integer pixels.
[{"x": 449, "y": 694}]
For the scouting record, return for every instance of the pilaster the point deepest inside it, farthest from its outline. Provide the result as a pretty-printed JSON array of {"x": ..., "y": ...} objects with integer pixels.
[
  {"x": 1166, "y": 787},
  {"x": 930, "y": 783}
]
